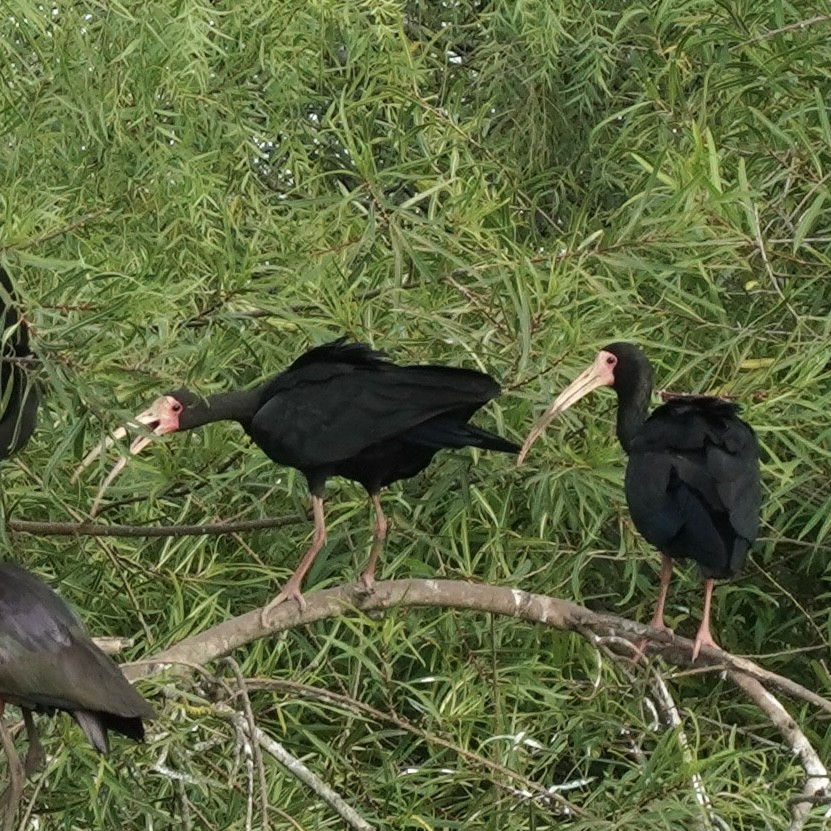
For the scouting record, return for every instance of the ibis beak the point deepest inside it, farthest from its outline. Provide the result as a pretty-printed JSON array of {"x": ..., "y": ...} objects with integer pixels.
[
  {"x": 597, "y": 375},
  {"x": 155, "y": 418}
]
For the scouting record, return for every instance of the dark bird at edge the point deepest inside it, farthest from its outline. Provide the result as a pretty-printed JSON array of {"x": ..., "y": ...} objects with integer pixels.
[
  {"x": 18, "y": 391},
  {"x": 692, "y": 481},
  {"x": 48, "y": 662},
  {"x": 341, "y": 409}
]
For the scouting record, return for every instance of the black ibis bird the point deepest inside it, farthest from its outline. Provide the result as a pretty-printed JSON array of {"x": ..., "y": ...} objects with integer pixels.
[
  {"x": 692, "y": 479},
  {"x": 341, "y": 409},
  {"x": 48, "y": 662},
  {"x": 18, "y": 391}
]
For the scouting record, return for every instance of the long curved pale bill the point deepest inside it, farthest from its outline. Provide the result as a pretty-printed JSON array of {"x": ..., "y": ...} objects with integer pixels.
[
  {"x": 150, "y": 419},
  {"x": 138, "y": 444},
  {"x": 149, "y": 416},
  {"x": 588, "y": 380}
]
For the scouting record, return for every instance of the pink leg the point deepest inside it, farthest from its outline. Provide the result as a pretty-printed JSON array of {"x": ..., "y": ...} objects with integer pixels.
[
  {"x": 703, "y": 636},
  {"x": 292, "y": 587},
  {"x": 657, "y": 621},
  {"x": 379, "y": 535}
]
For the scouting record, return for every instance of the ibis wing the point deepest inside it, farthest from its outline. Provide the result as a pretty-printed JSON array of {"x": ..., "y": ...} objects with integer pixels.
[
  {"x": 18, "y": 393},
  {"x": 48, "y": 659},
  {"x": 693, "y": 483},
  {"x": 324, "y": 412}
]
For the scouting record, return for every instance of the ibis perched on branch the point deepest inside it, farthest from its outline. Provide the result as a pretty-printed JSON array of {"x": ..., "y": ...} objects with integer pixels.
[
  {"x": 692, "y": 480},
  {"x": 341, "y": 409}
]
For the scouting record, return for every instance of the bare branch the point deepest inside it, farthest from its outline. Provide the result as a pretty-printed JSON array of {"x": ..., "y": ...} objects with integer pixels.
[
  {"x": 297, "y": 769},
  {"x": 664, "y": 697},
  {"x": 628, "y": 655},
  {"x": 817, "y": 784},
  {"x": 112, "y": 645},
  {"x": 543, "y": 796},
  {"x": 97, "y": 529},
  {"x": 222, "y": 639},
  {"x": 800, "y": 24},
  {"x": 10, "y": 800},
  {"x": 256, "y": 755}
]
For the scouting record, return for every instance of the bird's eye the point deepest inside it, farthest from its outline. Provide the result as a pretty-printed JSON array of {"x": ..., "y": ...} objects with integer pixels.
[
  {"x": 177, "y": 407},
  {"x": 611, "y": 360}
]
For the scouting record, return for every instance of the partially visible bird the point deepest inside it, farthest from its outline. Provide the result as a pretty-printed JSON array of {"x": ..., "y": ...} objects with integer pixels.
[
  {"x": 48, "y": 662},
  {"x": 340, "y": 409},
  {"x": 18, "y": 392},
  {"x": 692, "y": 480}
]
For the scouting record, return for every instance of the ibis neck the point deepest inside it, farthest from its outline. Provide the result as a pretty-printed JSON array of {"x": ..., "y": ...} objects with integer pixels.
[
  {"x": 632, "y": 409},
  {"x": 236, "y": 405}
]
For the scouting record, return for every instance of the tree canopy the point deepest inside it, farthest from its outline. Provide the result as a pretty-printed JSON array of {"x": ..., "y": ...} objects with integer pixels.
[{"x": 193, "y": 193}]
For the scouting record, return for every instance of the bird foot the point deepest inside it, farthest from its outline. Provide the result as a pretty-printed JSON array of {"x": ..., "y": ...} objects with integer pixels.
[
  {"x": 662, "y": 627},
  {"x": 703, "y": 638},
  {"x": 366, "y": 585},
  {"x": 291, "y": 591},
  {"x": 641, "y": 645}
]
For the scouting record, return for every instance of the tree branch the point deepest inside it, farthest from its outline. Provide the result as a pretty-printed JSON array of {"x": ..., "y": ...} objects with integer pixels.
[
  {"x": 817, "y": 785},
  {"x": 97, "y": 529},
  {"x": 222, "y": 639},
  {"x": 297, "y": 769}
]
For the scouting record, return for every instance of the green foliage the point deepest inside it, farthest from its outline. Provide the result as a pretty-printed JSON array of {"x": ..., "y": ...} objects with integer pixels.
[{"x": 194, "y": 193}]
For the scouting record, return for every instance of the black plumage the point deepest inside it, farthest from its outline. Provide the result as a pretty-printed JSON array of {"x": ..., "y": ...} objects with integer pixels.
[
  {"x": 18, "y": 392},
  {"x": 692, "y": 482},
  {"x": 48, "y": 662},
  {"x": 343, "y": 409}
]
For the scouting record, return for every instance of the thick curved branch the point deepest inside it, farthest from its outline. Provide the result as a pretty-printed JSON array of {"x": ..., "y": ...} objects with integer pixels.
[{"x": 222, "y": 639}]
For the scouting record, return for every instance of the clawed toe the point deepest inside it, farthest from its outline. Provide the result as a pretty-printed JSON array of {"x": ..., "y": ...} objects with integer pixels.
[{"x": 288, "y": 592}]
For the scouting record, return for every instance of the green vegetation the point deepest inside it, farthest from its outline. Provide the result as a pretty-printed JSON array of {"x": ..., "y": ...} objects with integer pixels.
[{"x": 194, "y": 193}]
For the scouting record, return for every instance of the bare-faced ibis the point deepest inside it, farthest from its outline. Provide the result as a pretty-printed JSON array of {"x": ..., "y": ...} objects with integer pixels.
[
  {"x": 692, "y": 480},
  {"x": 18, "y": 392},
  {"x": 48, "y": 662},
  {"x": 341, "y": 409}
]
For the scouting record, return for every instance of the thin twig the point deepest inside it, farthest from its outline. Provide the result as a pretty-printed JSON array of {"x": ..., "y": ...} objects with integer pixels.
[
  {"x": 275, "y": 749},
  {"x": 760, "y": 244},
  {"x": 298, "y": 770},
  {"x": 536, "y": 791},
  {"x": 231, "y": 634},
  {"x": 96, "y": 529},
  {"x": 817, "y": 783},
  {"x": 662, "y": 694},
  {"x": 34, "y": 242},
  {"x": 10, "y": 800},
  {"x": 664, "y": 702},
  {"x": 112, "y": 645},
  {"x": 257, "y": 756},
  {"x": 800, "y": 24}
]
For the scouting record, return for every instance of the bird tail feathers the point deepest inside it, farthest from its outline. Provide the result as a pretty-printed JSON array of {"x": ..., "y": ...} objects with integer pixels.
[{"x": 441, "y": 433}]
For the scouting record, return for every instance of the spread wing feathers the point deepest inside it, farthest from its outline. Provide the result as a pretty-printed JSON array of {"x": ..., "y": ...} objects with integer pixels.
[
  {"x": 326, "y": 411},
  {"x": 693, "y": 484},
  {"x": 48, "y": 660},
  {"x": 339, "y": 351},
  {"x": 449, "y": 432}
]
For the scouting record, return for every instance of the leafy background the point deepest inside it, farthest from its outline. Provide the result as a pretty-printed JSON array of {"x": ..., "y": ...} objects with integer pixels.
[{"x": 194, "y": 193}]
